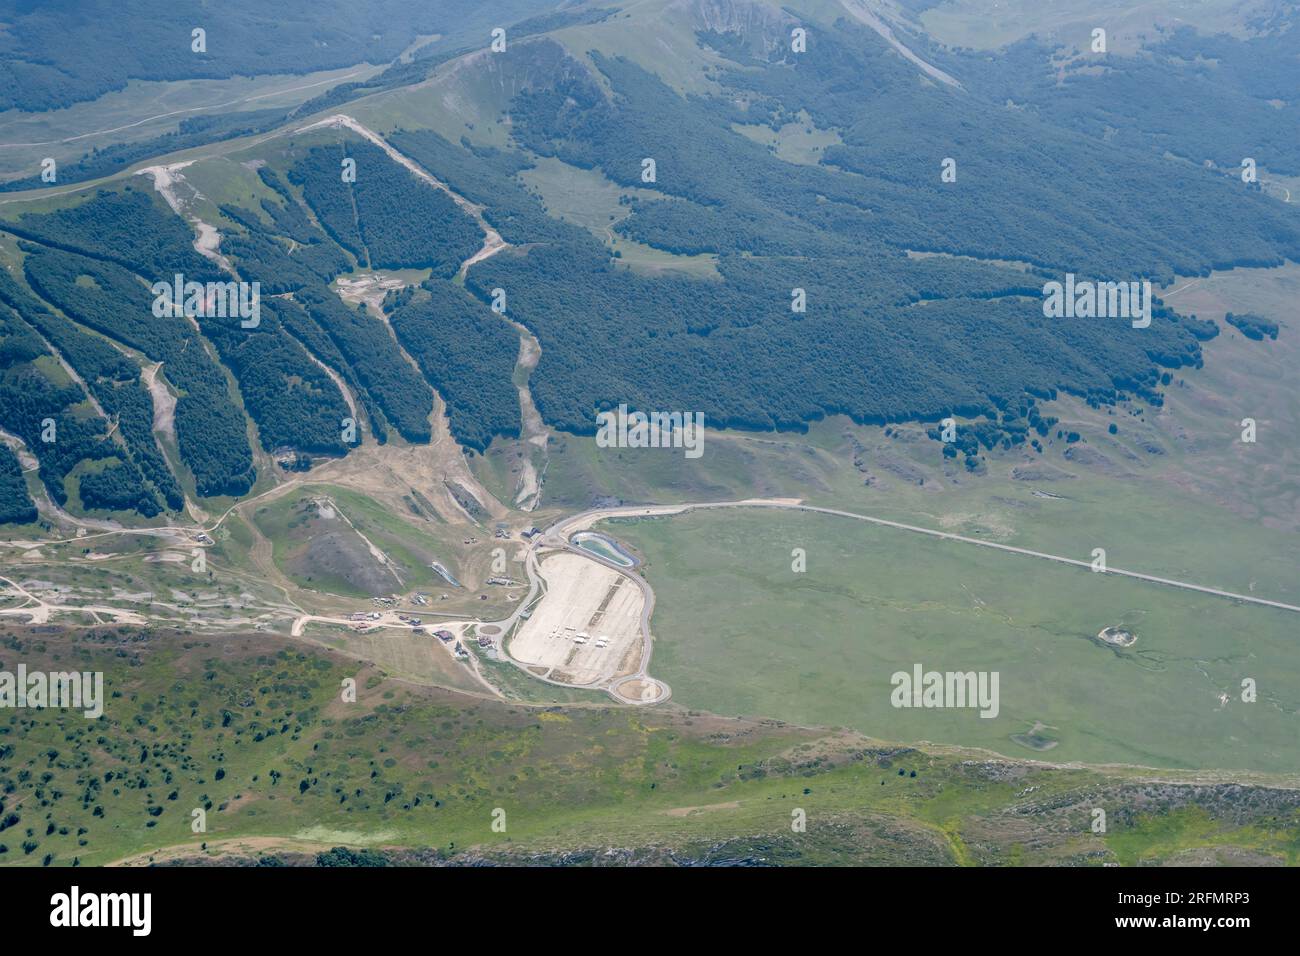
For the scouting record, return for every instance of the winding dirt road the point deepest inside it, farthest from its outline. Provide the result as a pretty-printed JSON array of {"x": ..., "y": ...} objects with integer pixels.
[
  {"x": 638, "y": 687},
  {"x": 492, "y": 241}
]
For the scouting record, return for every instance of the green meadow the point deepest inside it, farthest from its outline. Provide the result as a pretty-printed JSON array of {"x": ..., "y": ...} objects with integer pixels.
[
  {"x": 254, "y": 732},
  {"x": 737, "y": 630}
]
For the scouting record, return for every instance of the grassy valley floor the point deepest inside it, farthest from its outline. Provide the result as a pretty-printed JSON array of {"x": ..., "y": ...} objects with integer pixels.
[{"x": 820, "y": 646}]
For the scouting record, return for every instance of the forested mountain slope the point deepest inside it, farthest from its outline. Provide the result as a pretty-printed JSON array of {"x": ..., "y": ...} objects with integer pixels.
[
  {"x": 53, "y": 54},
  {"x": 919, "y": 230}
]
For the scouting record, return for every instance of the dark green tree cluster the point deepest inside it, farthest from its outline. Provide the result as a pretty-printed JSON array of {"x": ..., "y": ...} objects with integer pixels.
[
  {"x": 468, "y": 353},
  {"x": 16, "y": 505},
  {"x": 868, "y": 346},
  {"x": 127, "y": 226},
  {"x": 117, "y": 487},
  {"x": 487, "y": 176},
  {"x": 299, "y": 322},
  {"x": 319, "y": 177},
  {"x": 373, "y": 355},
  {"x": 280, "y": 246},
  {"x": 1252, "y": 326},
  {"x": 288, "y": 215},
  {"x": 112, "y": 300},
  {"x": 1068, "y": 204},
  {"x": 112, "y": 378},
  {"x": 388, "y": 218},
  {"x": 285, "y": 268},
  {"x": 293, "y": 400},
  {"x": 34, "y": 406}
]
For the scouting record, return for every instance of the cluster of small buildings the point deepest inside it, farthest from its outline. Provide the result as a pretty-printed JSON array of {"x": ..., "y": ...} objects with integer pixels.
[
  {"x": 447, "y": 637},
  {"x": 364, "y": 620},
  {"x": 527, "y": 534}
]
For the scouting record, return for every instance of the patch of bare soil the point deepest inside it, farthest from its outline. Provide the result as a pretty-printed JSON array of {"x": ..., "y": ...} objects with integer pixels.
[
  {"x": 164, "y": 402},
  {"x": 535, "y": 435}
]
